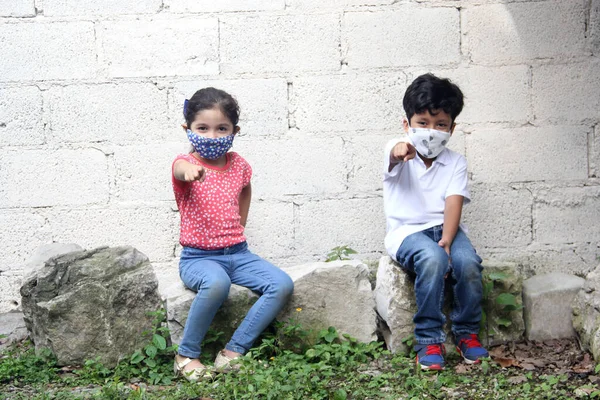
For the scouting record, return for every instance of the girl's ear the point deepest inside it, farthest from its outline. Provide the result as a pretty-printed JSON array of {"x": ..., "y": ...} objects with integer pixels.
[
  {"x": 185, "y": 127},
  {"x": 236, "y": 130}
]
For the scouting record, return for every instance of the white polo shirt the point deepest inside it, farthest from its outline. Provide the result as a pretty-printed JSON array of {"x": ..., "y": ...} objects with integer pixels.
[{"x": 414, "y": 196}]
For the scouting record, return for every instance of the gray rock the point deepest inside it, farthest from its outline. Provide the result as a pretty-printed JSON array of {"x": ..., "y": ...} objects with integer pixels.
[
  {"x": 547, "y": 299},
  {"x": 89, "y": 304},
  {"x": 395, "y": 304},
  {"x": 336, "y": 294},
  {"x": 12, "y": 329},
  {"x": 42, "y": 253},
  {"x": 586, "y": 314}
]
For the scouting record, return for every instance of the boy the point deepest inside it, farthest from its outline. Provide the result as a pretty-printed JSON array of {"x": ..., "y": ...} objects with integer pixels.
[{"x": 425, "y": 187}]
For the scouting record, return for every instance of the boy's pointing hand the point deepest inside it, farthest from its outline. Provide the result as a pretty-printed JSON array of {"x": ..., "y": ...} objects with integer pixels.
[{"x": 403, "y": 152}]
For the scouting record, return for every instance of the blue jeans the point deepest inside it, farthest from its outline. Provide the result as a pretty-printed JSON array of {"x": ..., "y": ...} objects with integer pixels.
[
  {"x": 210, "y": 273},
  {"x": 421, "y": 255}
]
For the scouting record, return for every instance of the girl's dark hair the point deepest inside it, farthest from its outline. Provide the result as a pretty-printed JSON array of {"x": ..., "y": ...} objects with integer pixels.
[
  {"x": 208, "y": 99},
  {"x": 430, "y": 93}
]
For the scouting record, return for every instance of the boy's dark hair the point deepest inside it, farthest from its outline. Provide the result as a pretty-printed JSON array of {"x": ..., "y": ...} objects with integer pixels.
[
  {"x": 430, "y": 93},
  {"x": 208, "y": 99}
]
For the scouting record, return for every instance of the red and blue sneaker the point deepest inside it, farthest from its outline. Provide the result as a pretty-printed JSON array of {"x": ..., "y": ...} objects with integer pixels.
[
  {"x": 430, "y": 356},
  {"x": 470, "y": 349}
]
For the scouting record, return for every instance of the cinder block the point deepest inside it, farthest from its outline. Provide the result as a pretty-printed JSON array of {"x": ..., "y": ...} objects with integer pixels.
[
  {"x": 21, "y": 231},
  {"x": 528, "y": 154},
  {"x": 10, "y": 298},
  {"x": 12, "y": 8},
  {"x": 567, "y": 92},
  {"x": 567, "y": 215},
  {"x": 143, "y": 172},
  {"x": 114, "y": 113},
  {"x": 21, "y": 116},
  {"x": 334, "y": 4},
  {"x": 492, "y": 94},
  {"x": 595, "y": 153},
  {"x": 269, "y": 229},
  {"x": 323, "y": 225},
  {"x": 499, "y": 216},
  {"x": 41, "y": 50},
  {"x": 348, "y": 103},
  {"x": 54, "y": 8},
  {"x": 366, "y": 173},
  {"x": 593, "y": 33},
  {"x": 294, "y": 166},
  {"x": 515, "y": 32},
  {"x": 286, "y": 43},
  {"x": 202, "y": 6},
  {"x": 43, "y": 178},
  {"x": 263, "y": 103},
  {"x": 153, "y": 230},
  {"x": 410, "y": 35},
  {"x": 547, "y": 305},
  {"x": 184, "y": 46}
]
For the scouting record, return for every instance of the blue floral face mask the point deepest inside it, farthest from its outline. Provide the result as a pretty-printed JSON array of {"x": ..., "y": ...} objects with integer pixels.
[{"x": 210, "y": 148}]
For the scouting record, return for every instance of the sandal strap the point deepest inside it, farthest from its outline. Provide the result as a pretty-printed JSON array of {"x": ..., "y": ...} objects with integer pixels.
[{"x": 181, "y": 365}]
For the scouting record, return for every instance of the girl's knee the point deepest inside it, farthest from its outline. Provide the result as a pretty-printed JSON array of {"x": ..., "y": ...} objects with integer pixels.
[
  {"x": 283, "y": 287},
  {"x": 216, "y": 289}
]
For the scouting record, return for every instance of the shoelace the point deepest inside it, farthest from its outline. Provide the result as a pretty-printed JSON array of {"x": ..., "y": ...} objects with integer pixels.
[
  {"x": 433, "y": 350},
  {"x": 471, "y": 342}
]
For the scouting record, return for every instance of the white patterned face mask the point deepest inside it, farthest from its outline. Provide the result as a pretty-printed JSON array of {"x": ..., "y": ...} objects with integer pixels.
[{"x": 428, "y": 142}]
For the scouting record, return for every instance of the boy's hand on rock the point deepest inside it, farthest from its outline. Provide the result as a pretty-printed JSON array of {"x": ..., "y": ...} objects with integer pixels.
[
  {"x": 194, "y": 172},
  {"x": 403, "y": 152}
]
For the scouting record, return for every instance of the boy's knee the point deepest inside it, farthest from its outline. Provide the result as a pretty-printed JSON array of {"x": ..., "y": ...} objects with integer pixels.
[{"x": 433, "y": 264}]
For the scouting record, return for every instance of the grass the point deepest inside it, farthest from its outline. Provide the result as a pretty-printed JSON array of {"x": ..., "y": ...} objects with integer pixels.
[{"x": 282, "y": 366}]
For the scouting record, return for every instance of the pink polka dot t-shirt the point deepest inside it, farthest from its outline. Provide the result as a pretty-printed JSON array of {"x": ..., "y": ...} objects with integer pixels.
[{"x": 210, "y": 210}]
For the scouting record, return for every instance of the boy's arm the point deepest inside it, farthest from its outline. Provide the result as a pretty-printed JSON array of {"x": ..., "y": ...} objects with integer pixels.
[
  {"x": 452, "y": 214},
  {"x": 244, "y": 201},
  {"x": 187, "y": 172}
]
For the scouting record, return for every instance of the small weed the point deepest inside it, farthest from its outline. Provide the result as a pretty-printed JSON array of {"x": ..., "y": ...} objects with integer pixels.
[{"x": 340, "y": 253}]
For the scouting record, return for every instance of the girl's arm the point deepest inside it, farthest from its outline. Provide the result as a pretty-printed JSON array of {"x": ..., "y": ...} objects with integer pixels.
[
  {"x": 188, "y": 172},
  {"x": 452, "y": 213},
  {"x": 245, "y": 197}
]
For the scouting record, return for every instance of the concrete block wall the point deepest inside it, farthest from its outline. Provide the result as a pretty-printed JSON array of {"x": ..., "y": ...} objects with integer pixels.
[{"x": 91, "y": 100}]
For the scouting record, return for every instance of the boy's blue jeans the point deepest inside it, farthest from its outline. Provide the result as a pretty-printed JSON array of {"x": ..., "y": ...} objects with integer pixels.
[
  {"x": 210, "y": 273},
  {"x": 420, "y": 254}
]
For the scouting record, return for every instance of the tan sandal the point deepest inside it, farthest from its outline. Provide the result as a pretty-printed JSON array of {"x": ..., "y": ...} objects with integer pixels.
[
  {"x": 193, "y": 375},
  {"x": 224, "y": 363}
]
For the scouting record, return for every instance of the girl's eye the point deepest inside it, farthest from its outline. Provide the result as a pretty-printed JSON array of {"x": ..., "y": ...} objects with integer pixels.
[
  {"x": 223, "y": 129},
  {"x": 201, "y": 128}
]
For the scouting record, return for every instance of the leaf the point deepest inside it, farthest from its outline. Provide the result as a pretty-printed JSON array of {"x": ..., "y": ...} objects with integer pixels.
[
  {"x": 136, "y": 357},
  {"x": 150, "y": 362},
  {"x": 485, "y": 367},
  {"x": 517, "y": 379},
  {"x": 340, "y": 394},
  {"x": 506, "y": 362},
  {"x": 159, "y": 342},
  {"x": 151, "y": 351},
  {"x": 506, "y": 299}
]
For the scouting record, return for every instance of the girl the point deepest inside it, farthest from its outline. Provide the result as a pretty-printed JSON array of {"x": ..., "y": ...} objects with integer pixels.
[{"x": 212, "y": 191}]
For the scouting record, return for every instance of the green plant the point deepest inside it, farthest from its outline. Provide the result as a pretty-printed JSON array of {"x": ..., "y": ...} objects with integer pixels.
[
  {"x": 154, "y": 361},
  {"x": 340, "y": 253},
  {"x": 504, "y": 303},
  {"x": 20, "y": 365}
]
